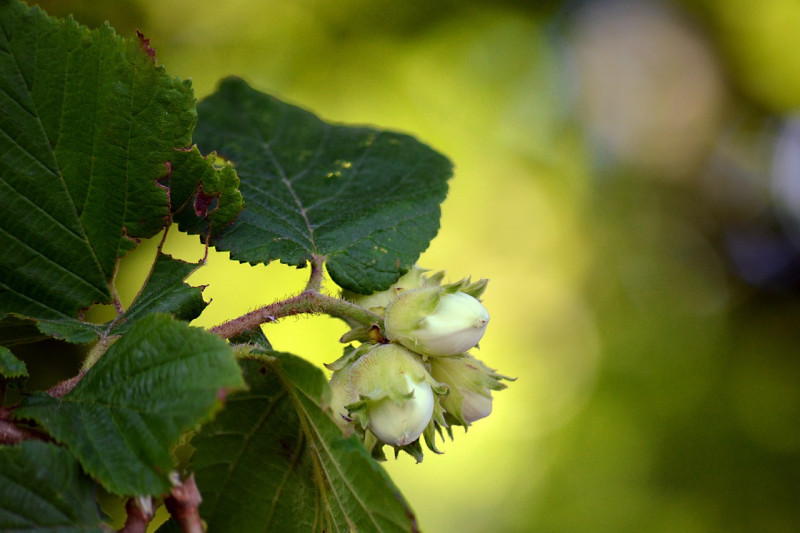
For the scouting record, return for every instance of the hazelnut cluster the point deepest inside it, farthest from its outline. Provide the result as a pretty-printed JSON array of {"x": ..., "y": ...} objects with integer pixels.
[{"x": 421, "y": 378}]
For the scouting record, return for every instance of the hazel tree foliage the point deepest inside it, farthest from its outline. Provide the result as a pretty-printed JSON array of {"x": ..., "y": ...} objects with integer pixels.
[{"x": 100, "y": 148}]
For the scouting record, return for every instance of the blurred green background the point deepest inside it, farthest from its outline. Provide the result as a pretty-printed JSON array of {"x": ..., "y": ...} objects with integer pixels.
[{"x": 628, "y": 177}]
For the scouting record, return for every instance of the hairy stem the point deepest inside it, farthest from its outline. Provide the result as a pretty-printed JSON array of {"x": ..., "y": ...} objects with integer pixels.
[
  {"x": 117, "y": 302},
  {"x": 60, "y": 389},
  {"x": 315, "y": 280},
  {"x": 307, "y": 302},
  {"x": 96, "y": 353}
]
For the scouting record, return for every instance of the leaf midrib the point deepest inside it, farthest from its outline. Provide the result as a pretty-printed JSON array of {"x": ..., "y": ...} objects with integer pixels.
[{"x": 288, "y": 184}]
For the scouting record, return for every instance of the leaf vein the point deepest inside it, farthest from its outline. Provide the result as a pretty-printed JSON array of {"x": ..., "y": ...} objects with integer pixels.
[
  {"x": 54, "y": 262},
  {"x": 278, "y": 214},
  {"x": 53, "y": 172},
  {"x": 351, "y": 176},
  {"x": 19, "y": 104},
  {"x": 317, "y": 153},
  {"x": 26, "y": 297},
  {"x": 36, "y": 496},
  {"x": 285, "y": 479},
  {"x": 410, "y": 217},
  {"x": 14, "y": 56},
  {"x": 60, "y": 174},
  {"x": 28, "y": 152},
  {"x": 279, "y": 168},
  {"x": 247, "y": 441},
  {"x": 321, "y": 444},
  {"x": 43, "y": 211}
]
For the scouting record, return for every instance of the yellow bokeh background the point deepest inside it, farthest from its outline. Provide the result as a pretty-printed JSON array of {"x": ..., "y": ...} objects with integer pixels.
[{"x": 587, "y": 139}]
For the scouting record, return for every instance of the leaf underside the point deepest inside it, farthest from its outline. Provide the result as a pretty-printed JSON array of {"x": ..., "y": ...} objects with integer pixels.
[
  {"x": 274, "y": 460},
  {"x": 365, "y": 199}
]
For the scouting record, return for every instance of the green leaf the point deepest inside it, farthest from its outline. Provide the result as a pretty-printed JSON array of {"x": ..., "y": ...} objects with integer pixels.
[
  {"x": 42, "y": 488},
  {"x": 71, "y": 329},
  {"x": 212, "y": 191},
  {"x": 121, "y": 421},
  {"x": 165, "y": 292},
  {"x": 254, "y": 337},
  {"x": 274, "y": 460},
  {"x": 15, "y": 330},
  {"x": 366, "y": 199},
  {"x": 10, "y": 366},
  {"x": 90, "y": 125}
]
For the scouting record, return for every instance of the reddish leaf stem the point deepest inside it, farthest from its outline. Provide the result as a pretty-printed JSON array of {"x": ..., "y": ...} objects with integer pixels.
[
  {"x": 138, "y": 518},
  {"x": 63, "y": 388},
  {"x": 11, "y": 433},
  {"x": 182, "y": 504}
]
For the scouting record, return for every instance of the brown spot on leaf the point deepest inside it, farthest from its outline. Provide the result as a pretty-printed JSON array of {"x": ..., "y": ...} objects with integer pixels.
[
  {"x": 145, "y": 45},
  {"x": 201, "y": 203}
]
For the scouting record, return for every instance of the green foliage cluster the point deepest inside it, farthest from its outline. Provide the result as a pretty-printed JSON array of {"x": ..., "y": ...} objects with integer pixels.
[{"x": 96, "y": 154}]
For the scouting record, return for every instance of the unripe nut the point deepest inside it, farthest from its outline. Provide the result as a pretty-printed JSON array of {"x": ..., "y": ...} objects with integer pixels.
[
  {"x": 475, "y": 406},
  {"x": 395, "y": 396},
  {"x": 436, "y": 323},
  {"x": 402, "y": 423},
  {"x": 471, "y": 384}
]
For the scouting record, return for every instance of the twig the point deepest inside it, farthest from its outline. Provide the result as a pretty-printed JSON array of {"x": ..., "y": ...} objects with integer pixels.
[
  {"x": 11, "y": 433},
  {"x": 310, "y": 302},
  {"x": 140, "y": 513},
  {"x": 117, "y": 302},
  {"x": 66, "y": 386},
  {"x": 182, "y": 504}
]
